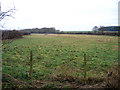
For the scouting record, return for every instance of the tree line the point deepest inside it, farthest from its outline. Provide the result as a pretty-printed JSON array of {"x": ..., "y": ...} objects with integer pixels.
[
  {"x": 51, "y": 30},
  {"x": 93, "y": 33},
  {"x": 12, "y": 34}
]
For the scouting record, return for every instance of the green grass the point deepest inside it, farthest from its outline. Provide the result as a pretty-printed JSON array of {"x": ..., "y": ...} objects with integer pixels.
[{"x": 62, "y": 56}]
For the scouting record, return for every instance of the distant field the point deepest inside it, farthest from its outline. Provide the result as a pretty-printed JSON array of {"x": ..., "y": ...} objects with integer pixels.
[{"x": 58, "y": 56}]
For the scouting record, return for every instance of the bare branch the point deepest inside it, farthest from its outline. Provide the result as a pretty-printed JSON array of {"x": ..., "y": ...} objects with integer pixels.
[{"x": 7, "y": 14}]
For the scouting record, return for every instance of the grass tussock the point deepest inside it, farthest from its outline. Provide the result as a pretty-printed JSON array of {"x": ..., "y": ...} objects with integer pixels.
[
  {"x": 112, "y": 79},
  {"x": 65, "y": 81}
]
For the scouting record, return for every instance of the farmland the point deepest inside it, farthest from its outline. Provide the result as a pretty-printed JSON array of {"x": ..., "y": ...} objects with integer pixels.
[{"x": 58, "y": 59}]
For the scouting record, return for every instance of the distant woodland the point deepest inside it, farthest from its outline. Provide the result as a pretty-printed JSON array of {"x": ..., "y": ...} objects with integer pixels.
[
  {"x": 41, "y": 30},
  {"x": 12, "y": 34}
]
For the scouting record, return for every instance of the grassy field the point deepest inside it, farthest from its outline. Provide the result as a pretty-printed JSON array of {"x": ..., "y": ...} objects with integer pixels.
[{"x": 58, "y": 60}]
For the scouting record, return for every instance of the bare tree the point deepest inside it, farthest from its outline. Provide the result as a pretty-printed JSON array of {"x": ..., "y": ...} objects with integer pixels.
[
  {"x": 95, "y": 29},
  {"x": 4, "y": 14},
  {"x": 7, "y": 13},
  {"x": 102, "y": 28}
]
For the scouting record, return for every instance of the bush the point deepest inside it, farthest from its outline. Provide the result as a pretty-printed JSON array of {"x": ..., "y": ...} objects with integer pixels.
[
  {"x": 112, "y": 79},
  {"x": 11, "y": 34}
]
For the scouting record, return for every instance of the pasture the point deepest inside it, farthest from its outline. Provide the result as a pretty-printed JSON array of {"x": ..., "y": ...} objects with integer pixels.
[{"x": 58, "y": 59}]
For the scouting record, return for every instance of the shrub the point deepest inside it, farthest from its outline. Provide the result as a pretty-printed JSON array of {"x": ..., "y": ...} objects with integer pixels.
[
  {"x": 11, "y": 34},
  {"x": 113, "y": 78}
]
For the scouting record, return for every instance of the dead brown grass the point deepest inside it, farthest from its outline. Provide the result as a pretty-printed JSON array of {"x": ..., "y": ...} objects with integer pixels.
[{"x": 112, "y": 79}]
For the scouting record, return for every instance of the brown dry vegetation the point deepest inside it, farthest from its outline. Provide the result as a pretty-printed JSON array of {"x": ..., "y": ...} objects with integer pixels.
[{"x": 111, "y": 81}]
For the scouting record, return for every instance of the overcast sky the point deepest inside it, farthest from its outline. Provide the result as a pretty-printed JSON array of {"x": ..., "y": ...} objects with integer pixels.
[{"x": 65, "y": 15}]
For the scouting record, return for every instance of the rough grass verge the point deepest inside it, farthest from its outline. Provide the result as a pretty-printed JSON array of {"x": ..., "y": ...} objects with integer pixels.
[{"x": 110, "y": 81}]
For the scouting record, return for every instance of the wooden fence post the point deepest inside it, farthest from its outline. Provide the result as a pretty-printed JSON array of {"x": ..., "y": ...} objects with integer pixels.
[
  {"x": 85, "y": 66},
  {"x": 31, "y": 64}
]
